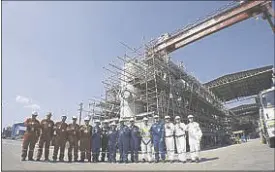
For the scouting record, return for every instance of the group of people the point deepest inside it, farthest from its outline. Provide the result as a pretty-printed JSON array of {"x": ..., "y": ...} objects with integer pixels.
[{"x": 158, "y": 139}]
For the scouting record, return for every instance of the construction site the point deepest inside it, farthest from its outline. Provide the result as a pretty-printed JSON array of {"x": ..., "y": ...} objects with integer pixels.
[{"x": 150, "y": 83}]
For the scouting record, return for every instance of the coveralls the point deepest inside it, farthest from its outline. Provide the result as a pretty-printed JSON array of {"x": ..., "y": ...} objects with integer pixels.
[
  {"x": 96, "y": 142},
  {"x": 134, "y": 142},
  {"x": 169, "y": 140},
  {"x": 45, "y": 138},
  {"x": 180, "y": 138},
  {"x": 104, "y": 143},
  {"x": 85, "y": 142},
  {"x": 123, "y": 142},
  {"x": 194, "y": 135},
  {"x": 30, "y": 137},
  {"x": 61, "y": 139},
  {"x": 112, "y": 144},
  {"x": 146, "y": 144},
  {"x": 157, "y": 133},
  {"x": 73, "y": 137}
]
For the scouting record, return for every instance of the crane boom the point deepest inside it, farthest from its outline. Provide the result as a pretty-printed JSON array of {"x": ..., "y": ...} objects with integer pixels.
[{"x": 218, "y": 22}]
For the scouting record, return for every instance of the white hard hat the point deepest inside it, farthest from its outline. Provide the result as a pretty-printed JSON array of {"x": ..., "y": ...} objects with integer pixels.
[
  {"x": 49, "y": 114},
  {"x": 121, "y": 120},
  {"x": 97, "y": 121},
  {"x": 167, "y": 117},
  {"x": 34, "y": 113},
  {"x": 113, "y": 124},
  {"x": 86, "y": 118},
  {"x": 156, "y": 116},
  {"x": 145, "y": 119},
  {"x": 132, "y": 119},
  {"x": 177, "y": 117},
  {"x": 74, "y": 117},
  {"x": 190, "y": 116}
]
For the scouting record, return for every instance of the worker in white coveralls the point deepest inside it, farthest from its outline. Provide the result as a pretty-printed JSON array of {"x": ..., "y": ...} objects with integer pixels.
[
  {"x": 180, "y": 139},
  {"x": 169, "y": 138},
  {"x": 146, "y": 141},
  {"x": 194, "y": 135}
]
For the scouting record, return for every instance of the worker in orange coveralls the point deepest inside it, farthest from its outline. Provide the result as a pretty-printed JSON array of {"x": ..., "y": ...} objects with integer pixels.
[
  {"x": 73, "y": 137},
  {"x": 61, "y": 138},
  {"x": 46, "y": 136},
  {"x": 85, "y": 140},
  {"x": 30, "y": 137}
]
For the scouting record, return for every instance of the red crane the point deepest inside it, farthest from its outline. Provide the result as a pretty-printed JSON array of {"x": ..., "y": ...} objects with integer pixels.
[{"x": 222, "y": 20}]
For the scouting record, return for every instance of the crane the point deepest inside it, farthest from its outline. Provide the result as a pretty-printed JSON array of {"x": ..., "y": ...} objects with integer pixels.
[{"x": 242, "y": 11}]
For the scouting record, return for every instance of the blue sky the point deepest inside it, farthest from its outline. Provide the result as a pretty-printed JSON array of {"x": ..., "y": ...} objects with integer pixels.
[{"x": 53, "y": 52}]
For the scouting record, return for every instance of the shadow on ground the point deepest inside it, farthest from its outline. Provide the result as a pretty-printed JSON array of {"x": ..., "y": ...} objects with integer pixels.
[{"x": 208, "y": 159}]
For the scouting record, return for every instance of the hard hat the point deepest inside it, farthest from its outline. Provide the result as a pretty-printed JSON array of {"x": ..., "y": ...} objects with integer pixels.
[
  {"x": 177, "y": 117},
  {"x": 121, "y": 120},
  {"x": 97, "y": 121},
  {"x": 156, "y": 116},
  {"x": 132, "y": 119},
  {"x": 74, "y": 117},
  {"x": 190, "y": 116},
  {"x": 167, "y": 117},
  {"x": 34, "y": 113},
  {"x": 145, "y": 119},
  {"x": 113, "y": 124},
  {"x": 49, "y": 114},
  {"x": 64, "y": 116},
  {"x": 86, "y": 118}
]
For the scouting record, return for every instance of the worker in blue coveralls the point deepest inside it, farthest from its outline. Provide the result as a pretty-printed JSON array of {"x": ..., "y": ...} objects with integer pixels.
[
  {"x": 112, "y": 142},
  {"x": 134, "y": 141},
  {"x": 123, "y": 141},
  {"x": 96, "y": 141},
  {"x": 157, "y": 133}
]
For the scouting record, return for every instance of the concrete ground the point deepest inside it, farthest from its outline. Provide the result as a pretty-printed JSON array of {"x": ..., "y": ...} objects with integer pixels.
[{"x": 247, "y": 156}]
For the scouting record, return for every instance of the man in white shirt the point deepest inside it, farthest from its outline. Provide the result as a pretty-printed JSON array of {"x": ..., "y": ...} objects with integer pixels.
[
  {"x": 180, "y": 138},
  {"x": 194, "y": 135},
  {"x": 169, "y": 138}
]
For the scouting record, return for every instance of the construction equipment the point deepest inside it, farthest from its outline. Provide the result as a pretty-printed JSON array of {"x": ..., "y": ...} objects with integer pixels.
[
  {"x": 223, "y": 19},
  {"x": 267, "y": 114}
]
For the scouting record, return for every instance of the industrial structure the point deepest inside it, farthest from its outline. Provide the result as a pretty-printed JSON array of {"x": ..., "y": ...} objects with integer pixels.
[{"x": 151, "y": 83}]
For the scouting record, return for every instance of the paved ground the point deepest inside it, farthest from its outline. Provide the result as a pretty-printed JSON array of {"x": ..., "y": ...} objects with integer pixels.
[{"x": 248, "y": 156}]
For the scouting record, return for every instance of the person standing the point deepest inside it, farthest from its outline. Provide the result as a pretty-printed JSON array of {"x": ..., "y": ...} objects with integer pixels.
[
  {"x": 123, "y": 141},
  {"x": 180, "y": 129},
  {"x": 104, "y": 141},
  {"x": 194, "y": 135},
  {"x": 112, "y": 143},
  {"x": 134, "y": 140},
  {"x": 96, "y": 141},
  {"x": 61, "y": 138},
  {"x": 157, "y": 134},
  {"x": 169, "y": 138},
  {"x": 46, "y": 137},
  {"x": 30, "y": 137},
  {"x": 73, "y": 137},
  {"x": 85, "y": 140},
  {"x": 146, "y": 143}
]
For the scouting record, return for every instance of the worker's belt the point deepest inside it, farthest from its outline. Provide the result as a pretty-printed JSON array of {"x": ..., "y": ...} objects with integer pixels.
[
  {"x": 169, "y": 136},
  {"x": 180, "y": 135}
]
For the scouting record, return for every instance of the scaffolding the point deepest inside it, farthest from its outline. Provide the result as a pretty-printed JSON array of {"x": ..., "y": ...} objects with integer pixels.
[{"x": 164, "y": 88}]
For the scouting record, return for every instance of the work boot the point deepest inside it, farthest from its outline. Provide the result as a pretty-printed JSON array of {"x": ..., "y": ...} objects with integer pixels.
[
  {"x": 47, "y": 159},
  {"x": 23, "y": 159},
  {"x": 38, "y": 159},
  {"x": 31, "y": 159},
  {"x": 197, "y": 160}
]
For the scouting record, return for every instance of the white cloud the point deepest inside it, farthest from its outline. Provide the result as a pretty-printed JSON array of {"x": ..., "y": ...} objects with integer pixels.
[
  {"x": 22, "y": 100},
  {"x": 32, "y": 106}
]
